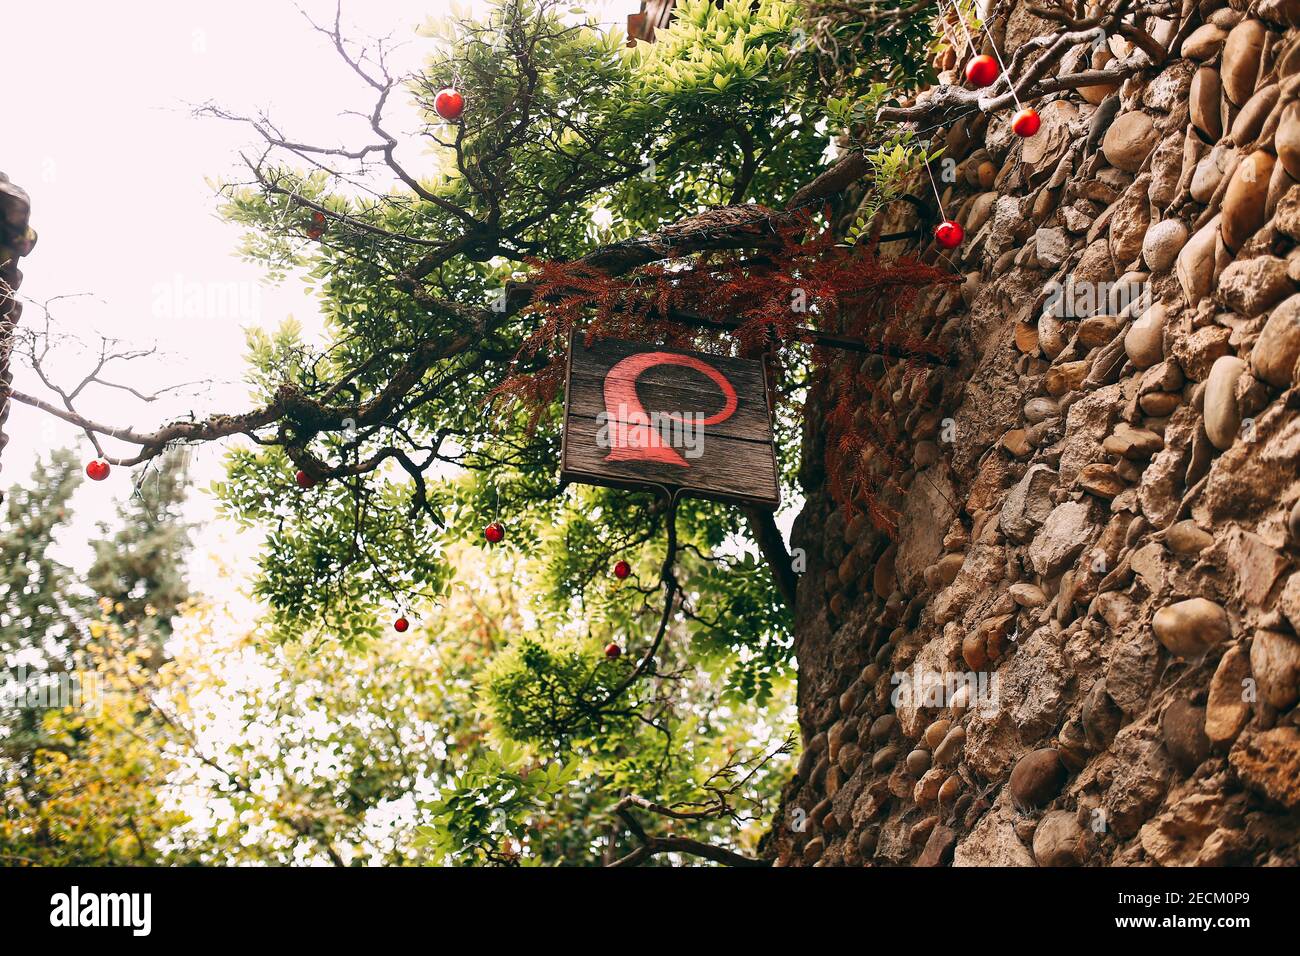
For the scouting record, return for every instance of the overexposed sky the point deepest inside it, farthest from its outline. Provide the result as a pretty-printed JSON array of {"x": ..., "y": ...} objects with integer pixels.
[{"x": 98, "y": 128}]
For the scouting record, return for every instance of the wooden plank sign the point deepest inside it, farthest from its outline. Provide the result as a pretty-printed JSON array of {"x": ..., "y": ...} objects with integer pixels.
[{"x": 638, "y": 414}]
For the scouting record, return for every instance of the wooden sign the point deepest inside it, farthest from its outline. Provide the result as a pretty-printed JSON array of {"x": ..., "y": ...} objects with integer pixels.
[{"x": 637, "y": 414}]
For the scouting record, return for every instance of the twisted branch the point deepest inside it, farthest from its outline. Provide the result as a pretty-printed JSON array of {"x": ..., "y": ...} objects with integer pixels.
[{"x": 950, "y": 103}]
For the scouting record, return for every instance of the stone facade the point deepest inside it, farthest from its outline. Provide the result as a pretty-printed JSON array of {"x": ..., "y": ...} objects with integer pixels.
[
  {"x": 16, "y": 240},
  {"x": 1101, "y": 529}
]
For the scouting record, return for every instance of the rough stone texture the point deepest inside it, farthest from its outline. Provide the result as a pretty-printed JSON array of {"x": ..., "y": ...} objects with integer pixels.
[
  {"x": 16, "y": 240},
  {"x": 1274, "y": 356},
  {"x": 1178, "y": 836},
  {"x": 925, "y": 519},
  {"x": 1228, "y": 708},
  {"x": 1059, "y": 840},
  {"x": 1111, "y": 542},
  {"x": 1132, "y": 667},
  {"x": 1252, "y": 286},
  {"x": 1063, "y": 537},
  {"x": 993, "y": 842},
  {"x": 1269, "y": 762},
  {"x": 1128, "y": 141},
  {"x": 1275, "y": 663},
  {"x": 1027, "y": 505}
]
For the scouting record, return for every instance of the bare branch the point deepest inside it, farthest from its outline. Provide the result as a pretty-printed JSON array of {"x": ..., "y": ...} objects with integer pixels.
[{"x": 718, "y": 806}]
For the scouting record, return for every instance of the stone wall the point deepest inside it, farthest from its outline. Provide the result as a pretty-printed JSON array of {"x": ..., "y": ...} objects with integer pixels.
[
  {"x": 16, "y": 240},
  {"x": 1101, "y": 522}
]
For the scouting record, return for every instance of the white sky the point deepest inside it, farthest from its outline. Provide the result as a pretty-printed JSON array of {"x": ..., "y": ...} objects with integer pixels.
[{"x": 98, "y": 129}]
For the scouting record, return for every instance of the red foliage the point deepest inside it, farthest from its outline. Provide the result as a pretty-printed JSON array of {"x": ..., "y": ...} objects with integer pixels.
[{"x": 767, "y": 301}]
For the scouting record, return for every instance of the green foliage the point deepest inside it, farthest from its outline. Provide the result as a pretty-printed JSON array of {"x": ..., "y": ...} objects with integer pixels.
[
  {"x": 725, "y": 75},
  {"x": 337, "y": 571},
  {"x": 139, "y": 569},
  {"x": 39, "y": 606},
  {"x": 561, "y": 119},
  {"x": 871, "y": 42},
  {"x": 336, "y": 555},
  {"x": 503, "y": 703},
  {"x": 713, "y": 59},
  {"x": 553, "y": 690},
  {"x": 893, "y": 165},
  {"x": 869, "y": 56},
  {"x": 82, "y": 785},
  {"x": 745, "y": 629},
  {"x": 240, "y": 750},
  {"x": 483, "y": 815},
  {"x": 91, "y": 792},
  {"x": 42, "y": 605}
]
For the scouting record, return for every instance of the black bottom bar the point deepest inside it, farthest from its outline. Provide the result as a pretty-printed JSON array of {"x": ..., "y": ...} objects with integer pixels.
[{"x": 528, "y": 907}]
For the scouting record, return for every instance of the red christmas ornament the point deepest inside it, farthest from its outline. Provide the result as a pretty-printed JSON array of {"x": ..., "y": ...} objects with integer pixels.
[
  {"x": 494, "y": 532},
  {"x": 622, "y": 570},
  {"x": 612, "y": 650},
  {"x": 97, "y": 470},
  {"x": 304, "y": 480},
  {"x": 400, "y": 625},
  {"x": 449, "y": 104},
  {"x": 1026, "y": 122},
  {"x": 981, "y": 70},
  {"x": 949, "y": 234}
]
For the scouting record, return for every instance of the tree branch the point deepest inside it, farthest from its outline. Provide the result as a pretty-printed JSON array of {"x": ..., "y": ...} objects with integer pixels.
[
  {"x": 762, "y": 525},
  {"x": 950, "y": 103}
]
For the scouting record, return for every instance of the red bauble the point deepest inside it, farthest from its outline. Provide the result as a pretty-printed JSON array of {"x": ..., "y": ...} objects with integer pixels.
[
  {"x": 949, "y": 234},
  {"x": 494, "y": 532},
  {"x": 622, "y": 570},
  {"x": 401, "y": 624},
  {"x": 612, "y": 650},
  {"x": 981, "y": 70},
  {"x": 304, "y": 480},
  {"x": 449, "y": 104},
  {"x": 97, "y": 470},
  {"x": 1026, "y": 122}
]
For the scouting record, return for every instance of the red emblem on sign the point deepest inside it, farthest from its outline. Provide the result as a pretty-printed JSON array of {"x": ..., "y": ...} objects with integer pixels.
[
  {"x": 637, "y": 415},
  {"x": 631, "y": 435}
]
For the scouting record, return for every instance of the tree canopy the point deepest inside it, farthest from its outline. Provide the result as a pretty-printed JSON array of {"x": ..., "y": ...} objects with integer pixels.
[{"x": 707, "y": 159}]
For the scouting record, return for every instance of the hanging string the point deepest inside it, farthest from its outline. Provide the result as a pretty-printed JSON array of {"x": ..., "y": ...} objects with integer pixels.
[
  {"x": 948, "y": 30},
  {"x": 935, "y": 187},
  {"x": 1011, "y": 85},
  {"x": 970, "y": 42}
]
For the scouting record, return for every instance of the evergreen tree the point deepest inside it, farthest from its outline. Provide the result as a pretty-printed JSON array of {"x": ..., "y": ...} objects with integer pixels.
[
  {"x": 50, "y": 625},
  {"x": 39, "y": 606},
  {"x": 138, "y": 571}
]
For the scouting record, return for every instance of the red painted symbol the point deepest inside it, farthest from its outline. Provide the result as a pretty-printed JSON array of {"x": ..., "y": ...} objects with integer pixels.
[{"x": 631, "y": 436}]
